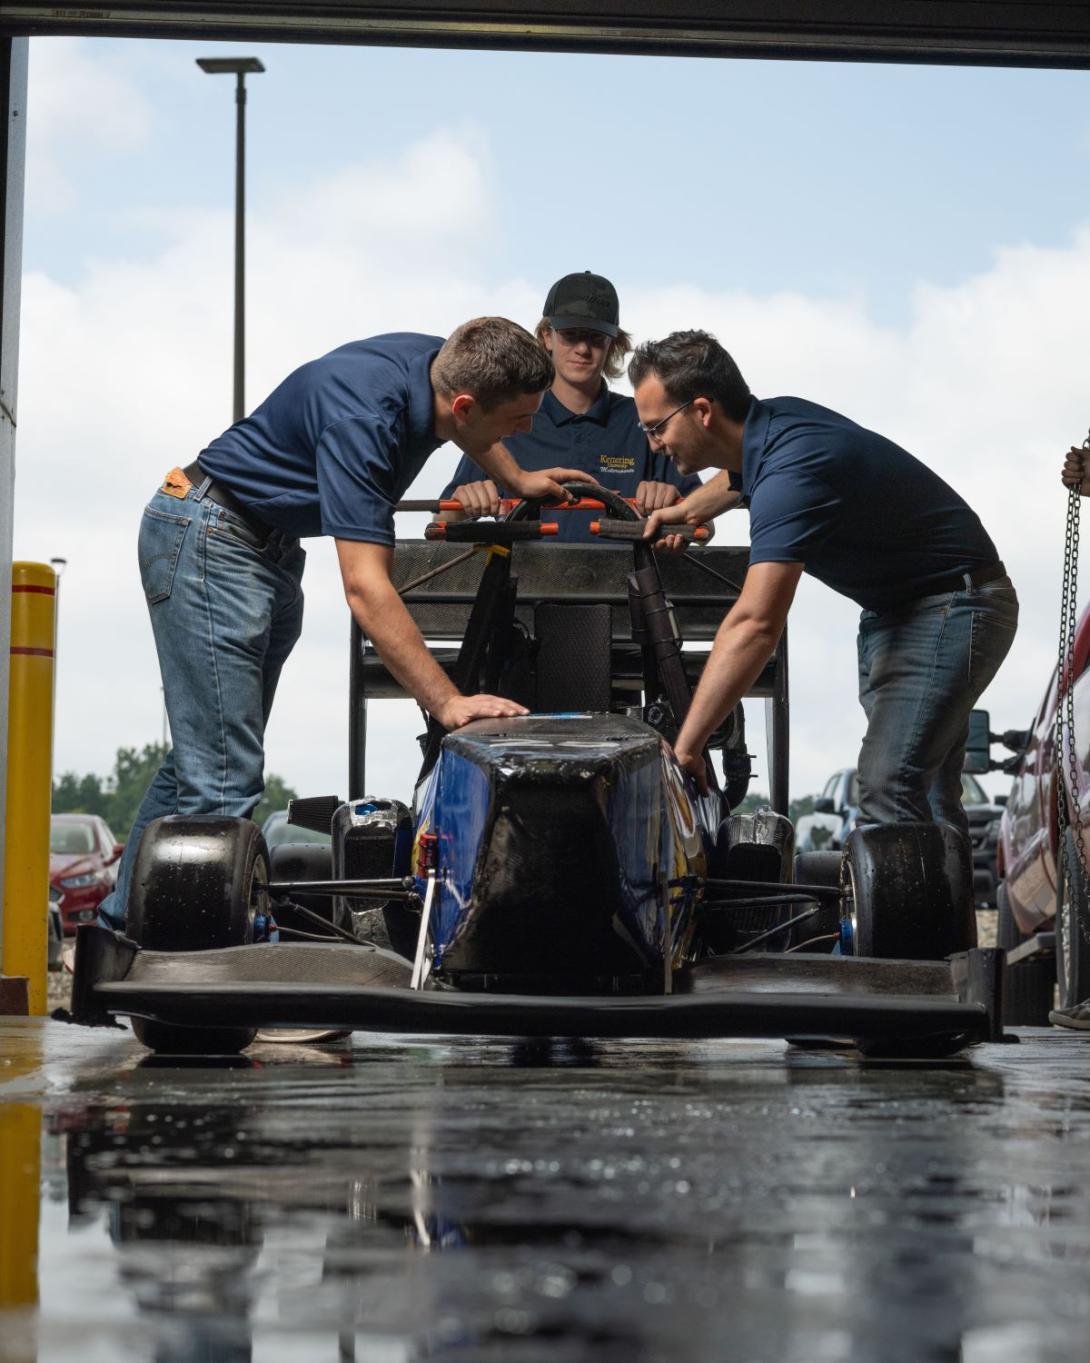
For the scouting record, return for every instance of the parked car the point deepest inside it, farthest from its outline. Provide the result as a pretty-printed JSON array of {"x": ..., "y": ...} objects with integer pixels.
[
  {"x": 83, "y": 857},
  {"x": 835, "y": 810},
  {"x": 1044, "y": 922}
]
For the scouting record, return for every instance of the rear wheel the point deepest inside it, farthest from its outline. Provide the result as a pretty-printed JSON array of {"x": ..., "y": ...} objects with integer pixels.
[
  {"x": 199, "y": 882},
  {"x": 820, "y": 868},
  {"x": 1028, "y": 985},
  {"x": 1072, "y": 926}
]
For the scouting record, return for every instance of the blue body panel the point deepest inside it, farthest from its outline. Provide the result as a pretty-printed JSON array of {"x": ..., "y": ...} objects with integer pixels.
[{"x": 500, "y": 788}]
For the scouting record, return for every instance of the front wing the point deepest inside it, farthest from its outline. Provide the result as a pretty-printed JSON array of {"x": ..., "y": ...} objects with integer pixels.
[{"x": 367, "y": 989}]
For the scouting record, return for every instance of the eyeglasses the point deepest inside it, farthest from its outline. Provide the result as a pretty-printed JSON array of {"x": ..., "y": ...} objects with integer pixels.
[{"x": 652, "y": 432}]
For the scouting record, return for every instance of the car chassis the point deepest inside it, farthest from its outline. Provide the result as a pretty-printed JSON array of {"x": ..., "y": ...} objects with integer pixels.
[{"x": 676, "y": 959}]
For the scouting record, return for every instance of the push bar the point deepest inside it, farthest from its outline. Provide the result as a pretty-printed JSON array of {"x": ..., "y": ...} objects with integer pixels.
[
  {"x": 633, "y": 530},
  {"x": 488, "y": 532},
  {"x": 508, "y": 504}
]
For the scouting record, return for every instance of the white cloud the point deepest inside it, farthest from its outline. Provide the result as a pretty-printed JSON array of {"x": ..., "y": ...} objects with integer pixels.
[
  {"x": 79, "y": 105},
  {"x": 128, "y": 373}
]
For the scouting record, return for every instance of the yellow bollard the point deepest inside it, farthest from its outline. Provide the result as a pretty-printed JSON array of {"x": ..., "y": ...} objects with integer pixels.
[
  {"x": 24, "y": 948},
  {"x": 20, "y": 1175}
]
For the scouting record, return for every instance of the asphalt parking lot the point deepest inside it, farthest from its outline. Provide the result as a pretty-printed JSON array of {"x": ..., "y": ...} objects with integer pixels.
[{"x": 405, "y": 1198}]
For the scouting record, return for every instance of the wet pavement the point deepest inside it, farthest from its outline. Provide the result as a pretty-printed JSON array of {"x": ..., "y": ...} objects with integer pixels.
[{"x": 399, "y": 1199}]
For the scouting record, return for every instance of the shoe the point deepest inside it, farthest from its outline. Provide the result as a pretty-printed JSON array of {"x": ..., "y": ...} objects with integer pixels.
[
  {"x": 295, "y": 1035},
  {"x": 1077, "y": 1016}
]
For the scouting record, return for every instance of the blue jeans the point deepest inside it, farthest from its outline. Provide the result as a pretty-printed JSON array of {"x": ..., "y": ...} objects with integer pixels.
[
  {"x": 226, "y": 609},
  {"x": 922, "y": 668}
]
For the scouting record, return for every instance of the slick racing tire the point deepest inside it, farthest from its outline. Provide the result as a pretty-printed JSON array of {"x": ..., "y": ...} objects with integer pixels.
[
  {"x": 898, "y": 899},
  {"x": 198, "y": 883},
  {"x": 820, "y": 868},
  {"x": 959, "y": 873},
  {"x": 1072, "y": 926},
  {"x": 1028, "y": 985}
]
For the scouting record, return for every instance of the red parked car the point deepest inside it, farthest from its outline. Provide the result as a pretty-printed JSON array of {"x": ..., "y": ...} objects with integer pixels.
[
  {"x": 1044, "y": 919},
  {"x": 83, "y": 857}
]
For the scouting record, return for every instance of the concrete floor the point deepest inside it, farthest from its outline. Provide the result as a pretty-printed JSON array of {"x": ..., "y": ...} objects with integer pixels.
[{"x": 405, "y": 1199}]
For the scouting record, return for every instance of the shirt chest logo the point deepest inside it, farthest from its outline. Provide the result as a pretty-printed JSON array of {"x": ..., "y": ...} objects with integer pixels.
[{"x": 617, "y": 463}]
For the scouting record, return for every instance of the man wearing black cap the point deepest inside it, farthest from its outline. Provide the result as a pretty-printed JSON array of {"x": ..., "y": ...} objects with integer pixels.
[{"x": 580, "y": 422}]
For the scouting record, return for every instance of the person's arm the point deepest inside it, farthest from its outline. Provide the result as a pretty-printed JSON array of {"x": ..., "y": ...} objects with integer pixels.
[
  {"x": 479, "y": 495},
  {"x": 381, "y": 614},
  {"x": 706, "y": 502},
  {"x": 478, "y": 499},
  {"x": 499, "y": 463},
  {"x": 1076, "y": 470},
  {"x": 743, "y": 644}
]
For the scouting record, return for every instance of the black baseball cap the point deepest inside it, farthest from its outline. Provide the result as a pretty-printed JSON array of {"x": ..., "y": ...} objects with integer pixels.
[{"x": 583, "y": 300}]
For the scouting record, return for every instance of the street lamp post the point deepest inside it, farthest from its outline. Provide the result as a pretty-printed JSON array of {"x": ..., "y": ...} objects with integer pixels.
[{"x": 240, "y": 67}]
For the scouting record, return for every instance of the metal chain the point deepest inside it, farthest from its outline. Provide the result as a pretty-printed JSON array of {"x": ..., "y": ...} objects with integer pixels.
[{"x": 1065, "y": 697}]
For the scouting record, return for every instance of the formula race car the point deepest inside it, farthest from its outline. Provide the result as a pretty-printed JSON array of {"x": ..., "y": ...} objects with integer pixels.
[{"x": 558, "y": 874}]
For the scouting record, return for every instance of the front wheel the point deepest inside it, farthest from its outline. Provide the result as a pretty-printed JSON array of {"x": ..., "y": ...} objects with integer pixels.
[
  {"x": 1072, "y": 925},
  {"x": 199, "y": 882},
  {"x": 898, "y": 901}
]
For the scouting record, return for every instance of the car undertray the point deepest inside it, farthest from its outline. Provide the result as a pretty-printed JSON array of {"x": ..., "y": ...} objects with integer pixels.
[{"x": 957, "y": 1001}]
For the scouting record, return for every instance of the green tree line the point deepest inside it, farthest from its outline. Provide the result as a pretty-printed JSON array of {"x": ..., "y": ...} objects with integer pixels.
[{"x": 117, "y": 797}]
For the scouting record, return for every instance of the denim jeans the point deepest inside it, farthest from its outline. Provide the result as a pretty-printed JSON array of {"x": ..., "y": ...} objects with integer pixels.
[
  {"x": 921, "y": 670},
  {"x": 226, "y": 609}
]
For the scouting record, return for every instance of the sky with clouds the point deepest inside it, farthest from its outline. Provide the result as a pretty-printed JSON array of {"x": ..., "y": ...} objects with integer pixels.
[{"x": 908, "y": 245}]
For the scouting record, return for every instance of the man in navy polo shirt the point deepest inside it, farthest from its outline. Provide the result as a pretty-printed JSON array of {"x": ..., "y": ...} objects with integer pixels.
[
  {"x": 580, "y": 422},
  {"x": 863, "y": 516},
  {"x": 329, "y": 452}
]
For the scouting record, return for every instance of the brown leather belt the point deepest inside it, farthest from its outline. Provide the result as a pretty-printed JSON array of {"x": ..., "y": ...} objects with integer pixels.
[{"x": 216, "y": 492}]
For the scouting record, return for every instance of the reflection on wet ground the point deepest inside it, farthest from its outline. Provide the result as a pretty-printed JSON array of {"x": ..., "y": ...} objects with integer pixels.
[{"x": 402, "y": 1199}]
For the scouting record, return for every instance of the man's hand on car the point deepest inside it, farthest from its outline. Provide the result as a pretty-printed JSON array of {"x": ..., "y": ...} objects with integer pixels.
[
  {"x": 1076, "y": 471},
  {"x": 459, "y": 710},
  {"x": 651, "y": 496},
  {"x": 477, "y": 499},
  {"x": 545, "y": 484},
  {"x": 671, "y": 513},
  {"x": 693, "y": 764}
]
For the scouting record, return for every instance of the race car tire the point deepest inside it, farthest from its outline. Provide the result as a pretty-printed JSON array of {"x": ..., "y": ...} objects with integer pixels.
[
  {"x": 290, "y": 861},
  {"x": 959, "y": 873},
  {"x": 1028, "y": 986},
  {"x": 1072, "y": 926},
  {"x": 1007, "y": 935},
  {"x": 819, "y": 868},
  {"x": 898, "y": 901},
  {"x": 938, "y": 1047},
  {"x": 198, "y": 882}
]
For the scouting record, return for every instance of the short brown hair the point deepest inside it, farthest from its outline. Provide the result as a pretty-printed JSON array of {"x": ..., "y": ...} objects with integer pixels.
[
  {"x": 620, "y": 347},
  {"x": 493, "y": 359}
]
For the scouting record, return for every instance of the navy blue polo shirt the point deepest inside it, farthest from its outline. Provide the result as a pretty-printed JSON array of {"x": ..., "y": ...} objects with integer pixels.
[
  {"x": 333, "y": 449},
  {"x": 865, "y": 517},
  {"x": 606, "y": 441}
]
